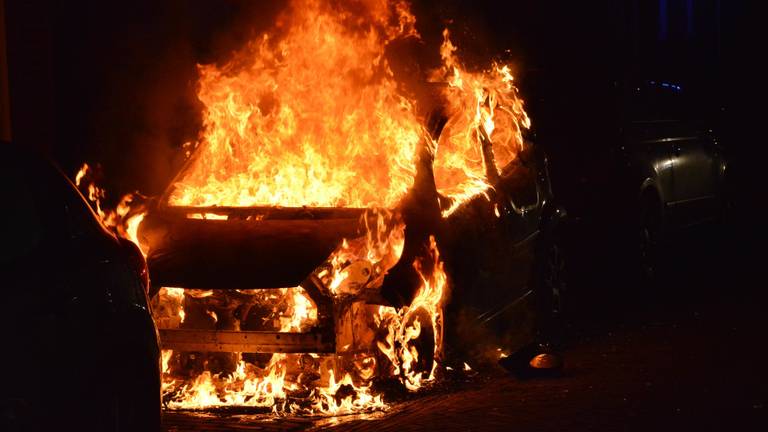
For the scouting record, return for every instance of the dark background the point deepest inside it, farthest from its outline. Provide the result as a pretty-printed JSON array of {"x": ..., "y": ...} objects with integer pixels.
[{"x": 114, "y": 82}]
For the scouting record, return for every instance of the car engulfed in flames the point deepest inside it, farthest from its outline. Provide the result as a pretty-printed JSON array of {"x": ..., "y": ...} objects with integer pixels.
[{"x": 296, "y": 258}]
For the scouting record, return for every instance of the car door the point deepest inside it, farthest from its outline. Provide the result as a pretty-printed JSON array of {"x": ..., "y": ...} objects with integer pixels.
[
  {"x": 695, "y": 172},
  {"x": 490, "y": 244},
  {"x": 515, "y": 217},
  {"x": 519, "y": 208},
  {"x": 649, "y": 156}
]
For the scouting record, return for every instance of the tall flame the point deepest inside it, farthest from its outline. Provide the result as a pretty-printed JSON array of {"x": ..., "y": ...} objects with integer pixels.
[
  {"x": 311, "y": 115},
  {"x": 308, "y": 116}
]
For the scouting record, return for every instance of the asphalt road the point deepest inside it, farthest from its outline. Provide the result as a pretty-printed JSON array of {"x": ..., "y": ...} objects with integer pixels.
[{"x": 689, "y": 355}]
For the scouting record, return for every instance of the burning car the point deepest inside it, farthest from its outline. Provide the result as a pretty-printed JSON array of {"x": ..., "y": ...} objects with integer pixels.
[
  {"x": 335, "y": 223},
  {"x": 500, "y": 252},
  {"x": 675, "y": 165}
]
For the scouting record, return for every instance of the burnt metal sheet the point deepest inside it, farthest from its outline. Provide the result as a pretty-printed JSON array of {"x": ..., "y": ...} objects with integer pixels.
[
  {"x": 267, "y": 212},
  {"x": 239, "y": 254},
  {"x": 244, "y": 341}
]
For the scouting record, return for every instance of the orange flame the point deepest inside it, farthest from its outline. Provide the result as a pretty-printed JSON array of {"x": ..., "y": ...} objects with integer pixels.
[
  {"x": 362, "y": 261},
  {"x": 404, "y": 325},
  {"x": 311, "y": 115},
  {"x": 484, "y": 102},
  {"x": 124, "y": 220}
]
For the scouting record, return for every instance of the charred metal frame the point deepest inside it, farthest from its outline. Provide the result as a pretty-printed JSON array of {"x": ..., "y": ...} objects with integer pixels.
[
  {"x": 320, "y": 339},
  {"x": 167, "y": 229},
  {"x": 244, "y": 341}
]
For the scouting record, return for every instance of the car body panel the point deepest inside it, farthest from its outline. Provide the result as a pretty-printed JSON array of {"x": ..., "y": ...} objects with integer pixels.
[
  {"x": 696, "y": 188},
  {"x": 666, "y": 152}
]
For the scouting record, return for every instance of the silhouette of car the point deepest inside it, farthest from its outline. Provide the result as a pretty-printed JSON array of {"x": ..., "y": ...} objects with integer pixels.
[
  {"x": 673, "y": 164},
  {"x": 81, "y": 350},
  {"x": 635, "y": 162}
]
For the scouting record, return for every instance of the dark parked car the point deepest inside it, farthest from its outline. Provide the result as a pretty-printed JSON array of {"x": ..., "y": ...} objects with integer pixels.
[
  {"x": 636, "y": 162},
  {"x": 81, "y": 350},
  {"x": 673, "y": 163}
]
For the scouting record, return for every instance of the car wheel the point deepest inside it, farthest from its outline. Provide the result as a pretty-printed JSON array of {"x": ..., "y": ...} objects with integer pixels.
[{"x": 423, "y": 344}]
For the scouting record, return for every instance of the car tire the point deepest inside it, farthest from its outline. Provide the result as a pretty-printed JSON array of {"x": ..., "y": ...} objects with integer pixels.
[{"x": 424, "y": 342}]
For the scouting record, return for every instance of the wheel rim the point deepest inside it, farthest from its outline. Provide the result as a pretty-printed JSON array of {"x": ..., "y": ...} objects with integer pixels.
[{"x": 424, "y": 343}]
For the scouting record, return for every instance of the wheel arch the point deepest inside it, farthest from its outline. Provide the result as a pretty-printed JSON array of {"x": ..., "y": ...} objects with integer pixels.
[
  {"x": 649, "y": 188},
  {"x": 650, "y": 191}
]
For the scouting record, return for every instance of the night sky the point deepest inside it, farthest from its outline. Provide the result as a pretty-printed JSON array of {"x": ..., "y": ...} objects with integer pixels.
[{"x": 114, "y": 82}]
